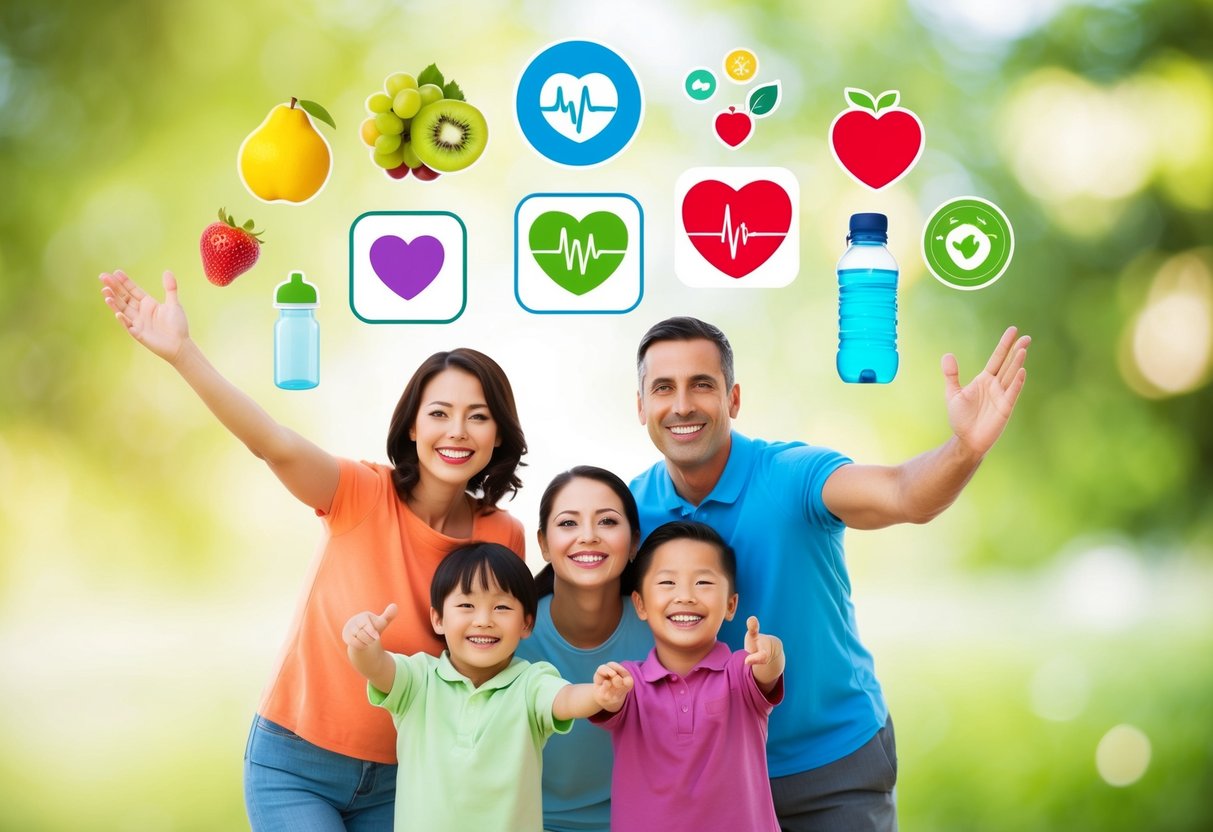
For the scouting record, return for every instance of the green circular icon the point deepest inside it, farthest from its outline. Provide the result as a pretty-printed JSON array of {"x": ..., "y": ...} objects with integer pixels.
[
  {"x": 700, "y": 84},
  {"x": 968, "y": 243}
]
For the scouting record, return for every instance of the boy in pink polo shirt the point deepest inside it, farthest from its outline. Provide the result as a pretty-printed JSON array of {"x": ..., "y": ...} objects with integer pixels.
[{"x": 690, "y": 739}]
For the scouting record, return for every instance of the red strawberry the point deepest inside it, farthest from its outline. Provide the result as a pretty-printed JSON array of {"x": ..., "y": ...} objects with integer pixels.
[{"x": 228, "y": 250}]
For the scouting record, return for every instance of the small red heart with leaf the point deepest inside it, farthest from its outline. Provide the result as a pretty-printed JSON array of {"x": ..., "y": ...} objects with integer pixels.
[{"x": 875, "y": 141}]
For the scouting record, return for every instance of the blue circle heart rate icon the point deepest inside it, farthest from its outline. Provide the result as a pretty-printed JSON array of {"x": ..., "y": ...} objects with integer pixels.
[{"x": 578, "y": 103}]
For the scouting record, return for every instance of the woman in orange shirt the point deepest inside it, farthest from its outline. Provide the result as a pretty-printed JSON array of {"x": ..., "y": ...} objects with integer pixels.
[{"x": 319, "y": 756}]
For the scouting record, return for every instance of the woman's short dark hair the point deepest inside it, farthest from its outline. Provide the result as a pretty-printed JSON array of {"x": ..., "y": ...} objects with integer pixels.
[
  {"x": 484, "y": 564},
  {"x": 546, "y": 579},
  {"x": 500, "y": 476},
  {"x": 686, "y": 329},
  {"x": 686, "y": 530}
]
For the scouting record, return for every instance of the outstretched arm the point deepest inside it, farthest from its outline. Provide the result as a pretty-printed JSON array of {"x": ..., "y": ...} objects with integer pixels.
[
  {"x": 361, "y": 636},
  {"x": 307, "y": 471},
  {"x": 606, "y": 693},
  {"x": 766, "y": 658},
  {"x": 875, "y": 496}
]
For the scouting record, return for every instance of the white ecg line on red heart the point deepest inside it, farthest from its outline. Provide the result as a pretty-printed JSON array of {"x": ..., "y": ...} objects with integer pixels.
[{"x": 741, "y": 233}]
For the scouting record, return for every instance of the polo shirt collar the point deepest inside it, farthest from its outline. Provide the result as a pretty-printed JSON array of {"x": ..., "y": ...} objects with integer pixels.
[
  {"x": 652, "y": 670},
  {"x": 727, "y": 489},
  {"x": 447, "y": 672}
]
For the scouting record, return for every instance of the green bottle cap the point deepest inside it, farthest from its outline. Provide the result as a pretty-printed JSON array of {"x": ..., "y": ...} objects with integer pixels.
[{"x": 295, "y": 292}]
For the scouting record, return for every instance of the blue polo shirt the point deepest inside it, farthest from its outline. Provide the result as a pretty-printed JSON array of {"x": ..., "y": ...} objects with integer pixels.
[{"x": 792, "y": 574}]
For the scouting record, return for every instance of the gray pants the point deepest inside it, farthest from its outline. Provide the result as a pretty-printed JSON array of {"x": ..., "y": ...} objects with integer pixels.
[{"x": 854, "y": 794}]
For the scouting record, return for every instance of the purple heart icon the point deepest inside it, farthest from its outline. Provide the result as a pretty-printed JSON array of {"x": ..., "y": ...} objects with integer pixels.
[{"x": 407, "y": 268}]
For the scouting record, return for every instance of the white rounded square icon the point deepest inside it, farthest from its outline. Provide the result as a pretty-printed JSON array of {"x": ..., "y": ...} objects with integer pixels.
[
  {"x": 408, "y": 267},
  {"x": 578, "y": 253},
  {"x": 737, "y": 227}
]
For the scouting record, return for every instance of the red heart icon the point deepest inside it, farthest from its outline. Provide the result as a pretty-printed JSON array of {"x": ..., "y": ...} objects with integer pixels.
[
  {"x": 733, "y": 128},
  {"x": 876, "y": 143},
  {"x": 736, "y": 231}
]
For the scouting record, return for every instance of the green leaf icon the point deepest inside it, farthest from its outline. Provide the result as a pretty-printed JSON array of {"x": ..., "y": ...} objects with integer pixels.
[
  {"x": 431, "y": 75},
  {"x": 860, "y": 98},
  {"x": 578, "y": 256},
  {"x": 763, "y": 100},
  {"x": 452, "y": 92},
  {"x": 888, "y": 98},
  {"x": 968, "y": 246},
  {"x": 317, "y": 112}
]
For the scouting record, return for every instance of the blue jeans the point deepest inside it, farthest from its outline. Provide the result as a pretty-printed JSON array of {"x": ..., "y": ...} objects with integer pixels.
[{"x": 291, "y": 785}]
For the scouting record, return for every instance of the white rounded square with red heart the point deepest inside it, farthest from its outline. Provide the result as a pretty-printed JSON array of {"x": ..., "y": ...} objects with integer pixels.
[{"x": 737, "y": 227}]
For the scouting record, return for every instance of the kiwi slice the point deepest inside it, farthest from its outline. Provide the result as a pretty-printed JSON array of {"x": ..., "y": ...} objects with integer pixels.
[{"x": 449, "y": 135}]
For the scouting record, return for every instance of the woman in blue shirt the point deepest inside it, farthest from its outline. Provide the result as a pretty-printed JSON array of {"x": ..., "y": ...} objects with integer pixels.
[{"x": 589, "y": 530}]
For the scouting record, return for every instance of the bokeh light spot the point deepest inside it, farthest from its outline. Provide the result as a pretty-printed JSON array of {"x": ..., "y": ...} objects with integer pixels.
[{"x": 1123, "y": 755}]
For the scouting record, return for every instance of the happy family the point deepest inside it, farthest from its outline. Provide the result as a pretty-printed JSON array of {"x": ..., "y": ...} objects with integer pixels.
[{"x": 700, "y": 618}]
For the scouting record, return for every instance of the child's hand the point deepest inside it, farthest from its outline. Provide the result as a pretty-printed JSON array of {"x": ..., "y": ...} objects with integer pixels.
[
  {"x": 611, "y": 685},
  {"x": 364, "y": 629},
  {"x": 161, "y": 327},
  {"x": 765, "y": 657}
]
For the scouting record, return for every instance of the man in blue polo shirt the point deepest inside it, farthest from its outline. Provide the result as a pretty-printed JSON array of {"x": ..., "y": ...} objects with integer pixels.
[{"x": 783, "y": 507}]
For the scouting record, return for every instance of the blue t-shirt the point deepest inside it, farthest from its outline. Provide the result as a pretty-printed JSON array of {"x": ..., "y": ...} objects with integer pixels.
[
  {"x": 577, "y": 765},
  {"x": 792, "y": 575}
]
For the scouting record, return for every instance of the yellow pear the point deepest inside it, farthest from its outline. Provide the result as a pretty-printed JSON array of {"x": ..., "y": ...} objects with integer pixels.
[{"x": 285, "y": 159}]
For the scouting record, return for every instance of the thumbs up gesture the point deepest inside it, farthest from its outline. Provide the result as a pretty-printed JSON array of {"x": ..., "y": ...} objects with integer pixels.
[
  {"x": 364, "y": 629},
  {"x": 765, "y": 659}
]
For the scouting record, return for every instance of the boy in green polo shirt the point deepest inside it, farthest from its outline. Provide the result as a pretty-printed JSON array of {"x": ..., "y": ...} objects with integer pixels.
[{"x": 471, "y": 724}]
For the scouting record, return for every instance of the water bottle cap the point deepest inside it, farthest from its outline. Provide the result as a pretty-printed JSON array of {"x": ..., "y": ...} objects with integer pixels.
[
  {"x": 295, "y": 292},
  {"x": 871, "y": 225}
]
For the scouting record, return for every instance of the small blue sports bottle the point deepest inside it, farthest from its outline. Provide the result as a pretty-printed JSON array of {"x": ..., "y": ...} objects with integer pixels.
[
  {"x": 296, "y": 335},
  {"x": 867, "y": 304}
]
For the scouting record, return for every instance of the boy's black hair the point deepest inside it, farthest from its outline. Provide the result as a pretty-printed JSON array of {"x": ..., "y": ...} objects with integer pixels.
[
  {"x": 484, "y": 564},
  {"x": 685, "y": 530}
]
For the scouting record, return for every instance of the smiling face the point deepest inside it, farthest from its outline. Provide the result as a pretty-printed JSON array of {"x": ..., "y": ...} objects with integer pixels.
[
  {"x": 454, "y": 431},
  {"x": 588, "y": 539},
  {"x": 482, "y": 628},
  {"x": 685, "y": 595},
  {"x": 685, "y": 404}
]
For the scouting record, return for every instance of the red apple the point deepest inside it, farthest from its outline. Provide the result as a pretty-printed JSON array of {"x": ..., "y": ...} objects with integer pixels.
[
  {"x": 734, "y": 128},
  {"x": 875, "y": 141}
]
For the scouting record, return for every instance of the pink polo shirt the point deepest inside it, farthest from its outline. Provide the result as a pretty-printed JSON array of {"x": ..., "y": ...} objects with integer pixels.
[{"x": 690, "y": 753}]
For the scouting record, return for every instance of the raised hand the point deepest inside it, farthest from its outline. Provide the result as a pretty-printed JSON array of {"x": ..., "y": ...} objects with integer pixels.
[
  {"x": 979, "y": 411},
  {"x": 612, "y": 682},
  {"x": 365, "y": 628},
  {"x": 161, "y": 327},
  {"x": 765, "y": 659}
]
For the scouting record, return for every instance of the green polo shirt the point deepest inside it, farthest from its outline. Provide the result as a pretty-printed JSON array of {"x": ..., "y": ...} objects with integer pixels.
[{"x": 470, "y": 758}]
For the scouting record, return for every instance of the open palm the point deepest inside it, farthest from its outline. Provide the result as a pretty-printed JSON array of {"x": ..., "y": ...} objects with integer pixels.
[
  {"x": 161, "y": 327},
  {"x": 979, "y": 411}
]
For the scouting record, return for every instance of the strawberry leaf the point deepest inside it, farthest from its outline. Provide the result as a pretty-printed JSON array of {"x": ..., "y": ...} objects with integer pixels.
[
  {"x": 763, "y": 100},
  {"x": 248, "y": 225},
  {"x": 887, "y": 99},
  {"x": 860, "y": 98},
  {"x": 317, "y": 112},
  {"x": 452, "y": 92},
  {"x": 431, "y": 75}
]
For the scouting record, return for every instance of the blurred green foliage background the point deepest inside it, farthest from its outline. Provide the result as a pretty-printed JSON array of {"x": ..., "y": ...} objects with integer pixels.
[{"x": 1046, "y": 646}]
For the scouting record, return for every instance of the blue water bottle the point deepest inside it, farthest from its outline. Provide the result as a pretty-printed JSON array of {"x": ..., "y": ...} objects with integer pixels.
[
  {"x": 296, "y": 335},
  {"x": 867, "y": 304}
]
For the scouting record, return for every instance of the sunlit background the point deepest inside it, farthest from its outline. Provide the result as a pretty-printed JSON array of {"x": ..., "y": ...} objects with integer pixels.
[{"x": 1046, "y": 646}]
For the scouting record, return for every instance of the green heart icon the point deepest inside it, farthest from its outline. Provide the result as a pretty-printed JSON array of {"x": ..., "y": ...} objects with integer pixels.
[{"x": 578, "y": 256}]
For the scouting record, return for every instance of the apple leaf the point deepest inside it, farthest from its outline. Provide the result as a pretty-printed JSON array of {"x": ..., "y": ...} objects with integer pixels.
[
  {"x": 887, "y": 99},
  {"x": 452, "y": 92},
  {"x": 431, "y": 75},
  {"x": 860, "y": 98},
  {"x": 763, "y": 100},
  {"x": 317, "y": 112}
]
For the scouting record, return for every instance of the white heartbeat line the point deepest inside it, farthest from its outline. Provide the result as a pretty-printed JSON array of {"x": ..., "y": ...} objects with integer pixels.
[
  {"x": 576, "y": 252},
  {"x": 742, "y": 233}
]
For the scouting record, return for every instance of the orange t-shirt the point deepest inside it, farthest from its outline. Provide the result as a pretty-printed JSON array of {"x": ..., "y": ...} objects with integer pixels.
[{"x": 377, "y": 552}]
